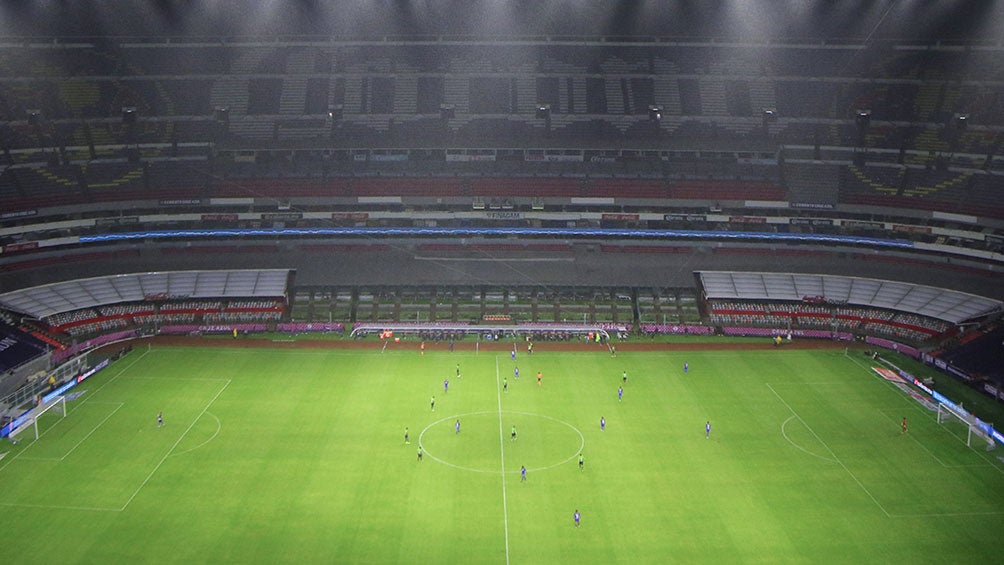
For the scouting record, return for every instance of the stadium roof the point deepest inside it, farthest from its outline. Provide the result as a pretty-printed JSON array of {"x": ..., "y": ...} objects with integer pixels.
[
  {"x": 949, "y": 305},
  {"x": 55, "y": 298}
]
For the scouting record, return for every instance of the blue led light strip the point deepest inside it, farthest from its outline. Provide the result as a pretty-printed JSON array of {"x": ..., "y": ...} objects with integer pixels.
[{"x": 526, "y": 232}]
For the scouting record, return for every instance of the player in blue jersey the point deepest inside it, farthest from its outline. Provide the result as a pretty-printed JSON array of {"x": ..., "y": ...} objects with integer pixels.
[
  {"x": 686, "y": 367},
  {"x": 707, "y": 429},
  {"x": 515, "y": 373},
  {"x": 457, "y": 427},
  {"x": 446, "y": 386},
  {"x": 522, "y": 473},
  {"x": 620, "y": 393},
  {"x": 603, "y": 423},
  {"x": 577, "y": 517}
]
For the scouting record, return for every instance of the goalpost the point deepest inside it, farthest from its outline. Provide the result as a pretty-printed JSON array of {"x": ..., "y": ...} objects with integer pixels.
[
  {"x": 30, "y": 423},
  {"x": 946, "y": 414}
]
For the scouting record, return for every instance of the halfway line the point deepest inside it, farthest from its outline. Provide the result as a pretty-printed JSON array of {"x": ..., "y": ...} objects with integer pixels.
[{"x": 505, "y": 510}]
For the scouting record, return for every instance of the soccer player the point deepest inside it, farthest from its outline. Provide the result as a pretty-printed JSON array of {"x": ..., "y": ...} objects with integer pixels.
[
  {"x": 903, "y": 429},
  {"x": 707, "y": 429},
  {"x": 539, "y": 376},
  {"x": 582, "y": 462},
  {"x": 529, "y": 348},
  {"x": 457, "y": 427},
  {"x": 522, "y": 473},
  {"x": 160, "y": 419},
  {"x": 512, "y": 436},
  {"x": 515, "y": 373},
  {"x": 458, "y": 366},
  {"x": 446, "y": 386},
  {"x": 624, "y": 377},
  {"x": 406, "y": 435},
  {"x": 422, "y": 348},
  {"x": 512, "y": 354},
  {"x": 620, "y": 393},
  {"x": 505, "y": 385},
  {"x": 686, "y": 367},
  {"x": 432, "y": 403},
  {"x": 603, "y": 424},
  {"x": 577, "y": 516},
  {"x": 420, "y": 453}
]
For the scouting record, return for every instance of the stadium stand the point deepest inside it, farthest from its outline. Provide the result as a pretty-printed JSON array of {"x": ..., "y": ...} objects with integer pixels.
[
  {"x": 17, "y": 348},
  {"x": 940, "y": 304}
]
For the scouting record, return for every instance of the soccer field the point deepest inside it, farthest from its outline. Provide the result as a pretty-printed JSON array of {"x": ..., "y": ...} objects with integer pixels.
[{"x": 300, "y": 456}]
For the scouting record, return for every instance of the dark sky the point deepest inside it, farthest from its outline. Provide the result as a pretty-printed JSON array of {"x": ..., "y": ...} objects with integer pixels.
[{"x": 756, "y": 20}]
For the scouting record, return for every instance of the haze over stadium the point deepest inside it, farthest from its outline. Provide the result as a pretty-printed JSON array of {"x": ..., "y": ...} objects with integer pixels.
[{"x": 243, "y": 243}]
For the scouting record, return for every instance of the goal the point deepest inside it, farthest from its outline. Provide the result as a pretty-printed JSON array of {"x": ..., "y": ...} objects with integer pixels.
[
  {"x": 29, "y": 424},
  {"x": 958, "y": 425}
]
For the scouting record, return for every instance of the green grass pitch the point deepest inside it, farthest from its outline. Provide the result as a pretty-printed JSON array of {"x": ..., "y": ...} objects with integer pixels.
[{"x": 299, "y": 456}]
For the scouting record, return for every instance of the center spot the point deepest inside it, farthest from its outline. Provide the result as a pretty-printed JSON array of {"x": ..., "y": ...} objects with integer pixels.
[{"x": 542, "y": 442}]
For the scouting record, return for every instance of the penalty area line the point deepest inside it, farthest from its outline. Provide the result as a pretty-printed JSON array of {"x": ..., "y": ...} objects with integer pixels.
[
  {"x": 169, "y": 451},
  {"x": 832, "y": 454}
]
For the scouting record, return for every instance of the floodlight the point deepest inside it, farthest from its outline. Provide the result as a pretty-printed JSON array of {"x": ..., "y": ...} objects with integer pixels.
[
  {"x": 654, "y": 113},
  {"x": 128, "y": 115},
  {"x": 543, "y": 110}
]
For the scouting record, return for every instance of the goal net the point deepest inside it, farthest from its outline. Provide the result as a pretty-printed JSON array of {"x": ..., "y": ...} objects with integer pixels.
[
  {"x": 965, "y": 429},
  {"x": 55, "y": 408}
]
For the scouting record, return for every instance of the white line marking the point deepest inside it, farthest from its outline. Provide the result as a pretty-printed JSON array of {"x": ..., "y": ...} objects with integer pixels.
[
  {"x": 430, "y": 455},
  {"x": 924, "y": 447},
  {"x": 785, "y": 435},
  {"x": 85, "y": 400},
  {"x": 219, "y": 426},
  {"x": 82, "y": 440},
  {"x": 119, "y": 374},
  {"x": 918, "y": 407},
  {"x": 181, "y": 437},
  {"x": 832, "y": 454},
  {"x": 505, "y": 509}
]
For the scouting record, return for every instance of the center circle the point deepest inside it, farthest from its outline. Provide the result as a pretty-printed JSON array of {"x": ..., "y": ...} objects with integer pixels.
[{"x": 542, "y": 442}]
